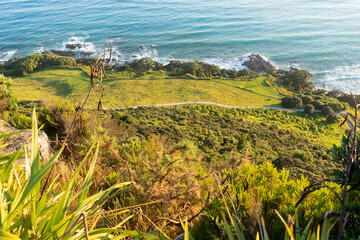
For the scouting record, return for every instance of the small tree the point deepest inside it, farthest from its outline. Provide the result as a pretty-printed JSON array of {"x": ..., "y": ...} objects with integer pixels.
[
  {"x": 291, "y": 102},
  {"x": 332, "y": 118},
  {"x": 309, "y": 109},
  {"x": 306, "y": 99},
  {"x": 327, "y": 110}
]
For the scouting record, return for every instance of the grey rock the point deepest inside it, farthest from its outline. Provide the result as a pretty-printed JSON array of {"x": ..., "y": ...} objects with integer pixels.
[
  {"x": 74, "y": 45},
  {"x": 65, "y": 53},
  {"x": 17, "y": 141},
  {"x": 258, "y": 64}
]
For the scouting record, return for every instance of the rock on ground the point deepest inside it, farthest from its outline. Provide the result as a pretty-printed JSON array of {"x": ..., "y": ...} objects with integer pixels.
[{"x": 13, "y": 143}]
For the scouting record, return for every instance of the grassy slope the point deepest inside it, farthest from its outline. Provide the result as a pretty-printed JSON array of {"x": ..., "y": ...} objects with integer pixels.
[
  {"x": 72, "y": 84},
  {"x": 257, "y": 85}
]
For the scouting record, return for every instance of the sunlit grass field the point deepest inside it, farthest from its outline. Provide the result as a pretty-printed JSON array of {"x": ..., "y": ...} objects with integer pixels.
[{"x": 72, "y": 84}]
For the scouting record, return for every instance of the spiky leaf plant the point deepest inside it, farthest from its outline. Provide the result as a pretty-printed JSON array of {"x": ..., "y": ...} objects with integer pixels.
[{"x": 57, "y": 214}]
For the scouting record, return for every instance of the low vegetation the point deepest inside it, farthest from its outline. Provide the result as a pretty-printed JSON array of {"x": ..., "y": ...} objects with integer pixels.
[
  {"x": 72, "y": 84},
  {"x": 227, "y": 172}
]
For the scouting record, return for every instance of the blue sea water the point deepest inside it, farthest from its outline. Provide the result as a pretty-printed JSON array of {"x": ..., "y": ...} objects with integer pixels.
[{"x": 322, "y": 36}]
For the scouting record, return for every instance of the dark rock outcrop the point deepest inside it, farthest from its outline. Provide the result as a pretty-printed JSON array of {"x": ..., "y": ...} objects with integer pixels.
[
  {"x": 64, "y": 53},
  {"x": 258, "y": 64},
  {"x": 74, "y": 45},
  {"x": 88, "y": 53}
]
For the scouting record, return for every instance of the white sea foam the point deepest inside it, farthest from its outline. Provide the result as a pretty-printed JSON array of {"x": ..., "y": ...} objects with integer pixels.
[
  {"x": 232, "y": 64},
  {"x": 6, "y": 56},
  {"x": 145, "y": 51},
  {"x": 344, "y": 78},
  {"x": 116, "y": 56},
  {"x": 235, "y": 63},
  {"x": 79, "y": 45}
]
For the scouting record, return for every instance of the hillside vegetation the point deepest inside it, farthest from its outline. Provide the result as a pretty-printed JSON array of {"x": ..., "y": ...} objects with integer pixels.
[
  {"x": 228, "y": 172},
  {"x": 72, "y": 84}
]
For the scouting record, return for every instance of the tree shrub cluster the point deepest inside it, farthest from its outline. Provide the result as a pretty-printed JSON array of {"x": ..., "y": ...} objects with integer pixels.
[
  {"x": 258, "y": 190},
  {"x": 344, "y": 97},
  {"x": 25, "y": 66},
  {"x": 326, "y": 104},
  {"x": 7, "y": 101},
  {"x": 291, "y": 102},
  {"x": 221, "y": 134},
  {"x": 172, "y": 153},
  {"x": 295, "y": 79},
  {"x": 309, "y": 109},
  {"x": 178, "y": 68}
]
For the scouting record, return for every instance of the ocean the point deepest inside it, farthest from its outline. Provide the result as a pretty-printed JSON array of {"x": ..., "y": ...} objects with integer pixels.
[{"x": 322, "y": 36}]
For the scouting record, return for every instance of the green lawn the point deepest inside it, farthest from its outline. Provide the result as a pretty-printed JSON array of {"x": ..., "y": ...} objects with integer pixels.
[
  {"x": 72, "y": 84},
  {"x": 255, "y": 85}
]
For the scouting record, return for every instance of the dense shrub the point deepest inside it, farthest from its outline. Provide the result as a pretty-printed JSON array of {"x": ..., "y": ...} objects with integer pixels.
[
  {"x": 291, "y": 102},
  {"x": 201, "y": 69},
  {"x": 259, "y": 190},
  {"x": 57, "y": 120},
  {"x": 145, "y": 64},
  {"x": 28, "y": 64},
  {"x": 7, "y": 101},
  {"x": 86, "y": 61},
  {"x": 309, "y": 109},
  {"x": 64, "y": 61},
  {"x": 349, "y": 99},
  {"x": 20, "y": 121},
  {"x": 321, "y": 100},
  {"x": 306, "y": 99},
  {"x": 326, "y": 110},
  {"x": 317, "y": 104},
  {"x": 332, "y": 118},
  {"x": 25, "y": 66},
  {"x": 298, "y": 80}
]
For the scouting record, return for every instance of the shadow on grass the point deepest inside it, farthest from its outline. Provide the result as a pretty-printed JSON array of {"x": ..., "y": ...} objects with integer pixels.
[{"x": 62, "y": 88}]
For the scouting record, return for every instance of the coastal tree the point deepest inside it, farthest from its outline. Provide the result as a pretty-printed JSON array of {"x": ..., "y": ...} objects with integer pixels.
[
  {"x": 309, "y": 109},
  {"x": 298, "y": 80},
  {"x": 291, "y": 102}
]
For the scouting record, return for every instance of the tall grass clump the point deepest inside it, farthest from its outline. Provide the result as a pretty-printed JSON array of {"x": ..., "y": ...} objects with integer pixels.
[{"x": 60, "y": 213}]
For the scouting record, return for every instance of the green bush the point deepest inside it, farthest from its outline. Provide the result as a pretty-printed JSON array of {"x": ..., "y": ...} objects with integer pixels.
[
  {"x": 25, "y": 66},
  {"x": 291, "y": 102},
  {"x": 20, "y": 121},
  {"x": 86, "y": 61},
  {"x": 326, "y": 110},
  {"x": 306, "y": 99},
  {"x": 299, "y": 80},
  {"x": 58, "y": 213},
  {"x": 332, "y": 118},
  {"x": 309, "y": 109},
  {"x": 201, "y": 69},
  {"x": 145, "y": 64},
  {"x": 28, "y": 64},
  {"x": 7, "y": 101},
  {"x": 259, "y": 190},
  {"x": 64, "y": 61},
  {"x": 317, "y": 104}
]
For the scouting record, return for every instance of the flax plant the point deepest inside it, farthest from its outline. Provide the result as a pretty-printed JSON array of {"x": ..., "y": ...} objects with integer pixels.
[{"x": 61, "y": 213}]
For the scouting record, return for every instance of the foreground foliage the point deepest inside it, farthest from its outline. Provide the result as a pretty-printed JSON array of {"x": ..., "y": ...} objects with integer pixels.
[{"x": 57, "y": 212}]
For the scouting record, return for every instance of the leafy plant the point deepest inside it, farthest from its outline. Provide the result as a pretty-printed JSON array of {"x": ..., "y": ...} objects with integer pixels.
[{"x": 60, "y": 213}]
